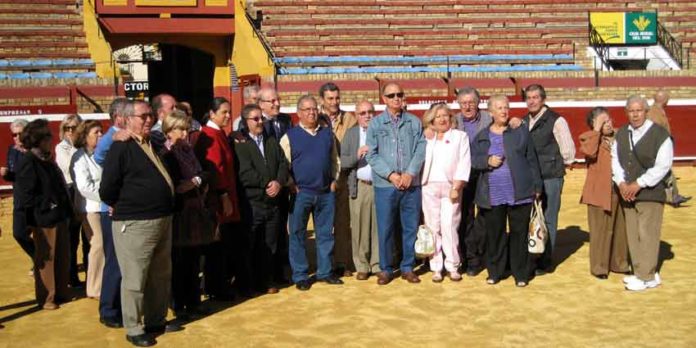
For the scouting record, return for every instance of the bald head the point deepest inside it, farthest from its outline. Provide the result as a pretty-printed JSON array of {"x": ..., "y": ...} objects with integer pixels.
[{"x": 661, "y": 98}]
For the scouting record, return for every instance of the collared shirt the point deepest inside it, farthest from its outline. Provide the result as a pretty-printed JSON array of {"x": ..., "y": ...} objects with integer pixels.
[
  {"x": 561, "y": 132},
  {"x": 274, "y": 123},
  {"x": 258, "y": 140},
  {"x": 157, "y": 126},
  {"x": 663, "y": 161},
  {"x": 364, "y": 170},
  {"x": 335, "y": 160},
  {"x": 395, "y": 122},
  {"x": 212, "y": 125},
  {"x": 147, "y": 148}
]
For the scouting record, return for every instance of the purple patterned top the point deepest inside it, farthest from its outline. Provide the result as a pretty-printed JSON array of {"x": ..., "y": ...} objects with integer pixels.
[{"x": 500, "y": 185}]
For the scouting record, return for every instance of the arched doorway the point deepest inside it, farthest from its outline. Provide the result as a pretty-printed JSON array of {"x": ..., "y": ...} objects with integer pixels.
[{"x": 185, "y": 73}]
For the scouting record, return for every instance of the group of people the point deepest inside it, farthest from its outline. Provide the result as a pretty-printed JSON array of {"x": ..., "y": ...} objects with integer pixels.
[{"x": 160, "y": 191}]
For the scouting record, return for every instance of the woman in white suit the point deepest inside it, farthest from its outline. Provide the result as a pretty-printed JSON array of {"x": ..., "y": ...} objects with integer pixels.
[{"x": 446, "y": 170}]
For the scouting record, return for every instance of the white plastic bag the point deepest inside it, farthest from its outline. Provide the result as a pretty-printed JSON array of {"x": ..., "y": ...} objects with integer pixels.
[{"x": 425, "y": 242}]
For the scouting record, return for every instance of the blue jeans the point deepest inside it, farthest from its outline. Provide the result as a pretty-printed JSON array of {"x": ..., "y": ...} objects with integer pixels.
[
  {"x": 552, "y": 205},
  {"x": 407, "y": 204},
  {"x": 110, "y": 297},
  {"x": 321, "y": 205}
]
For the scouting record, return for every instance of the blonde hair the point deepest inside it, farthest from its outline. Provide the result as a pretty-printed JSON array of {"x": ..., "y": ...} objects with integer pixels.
[
  {"x": 430, "y": 115},
  {"x": 496, "y": 99},
  {"x": 176, "y": 119},
  {"x": 67, "y": 119}
]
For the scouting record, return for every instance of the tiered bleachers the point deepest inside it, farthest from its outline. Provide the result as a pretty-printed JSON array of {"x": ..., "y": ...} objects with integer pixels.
[
  {"x": 42, "y": 39},
  {"x": 423, "y": 41}
]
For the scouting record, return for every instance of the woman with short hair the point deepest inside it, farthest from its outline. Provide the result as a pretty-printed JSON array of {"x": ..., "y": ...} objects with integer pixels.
[
  {"x": 193, "y": 224},
  {"x": 86, "y": 176},
  {"x": 446, "y": 170},
  {"x": 43, "y": 197},
  {"x": 509, "y": 183},
  {"x": 605, "y": 217}
]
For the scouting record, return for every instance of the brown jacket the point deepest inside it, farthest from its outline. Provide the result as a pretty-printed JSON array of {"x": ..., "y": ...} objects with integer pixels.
[{"x": 598, "y": 184}]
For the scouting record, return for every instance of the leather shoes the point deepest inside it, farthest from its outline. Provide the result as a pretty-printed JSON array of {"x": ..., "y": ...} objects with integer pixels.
[
  {"x": 303, "y": 285},
  {"x": 332, "y": 280},
  {"x": 383, "y": 278},
  {"x": 473, "y": 271},
  {"x": 50, "y": 306},
  {"x": 362, "y": 276},
  {"x": 601, "y": 276},
  {"x": 410, "y": 277},
  {"x": 679, "y": 199},
  {"x": 347, "y": 273},
  {"x": 143, "y": 340},
  {"x": 272, "y": 291},
  {"x": 160, "y": 329},
  {"x": 112, "y": 323}
]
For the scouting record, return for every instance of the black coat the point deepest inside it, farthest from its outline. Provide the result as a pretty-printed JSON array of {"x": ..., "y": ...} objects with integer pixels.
[
  {"x": 256, "y": 171},
  {"x": 41, "y": 192}
]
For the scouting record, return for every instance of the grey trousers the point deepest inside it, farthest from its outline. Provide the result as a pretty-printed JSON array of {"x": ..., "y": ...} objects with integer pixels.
[
  {"x": 363, "y": 225},
  {"x": 643, "y": 227},
  {"x": 144, "y": 249}
]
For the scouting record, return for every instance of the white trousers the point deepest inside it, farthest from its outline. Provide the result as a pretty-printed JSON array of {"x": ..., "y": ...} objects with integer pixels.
[{"x": 442, "y": 217}]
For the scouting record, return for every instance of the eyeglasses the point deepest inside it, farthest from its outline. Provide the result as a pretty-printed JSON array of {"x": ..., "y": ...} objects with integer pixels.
[
  {"x": 255, "y": 119},
  {"x": 69, "y": 128},
  {"x": 270, "y": 100},
  {"x": 366, "y": 112},
  {"x": 393, "y": 95},
  {"x": 14, "y": 135},
  {"x": 143, "y": 116},
  {"x": 309, "y": 109}
]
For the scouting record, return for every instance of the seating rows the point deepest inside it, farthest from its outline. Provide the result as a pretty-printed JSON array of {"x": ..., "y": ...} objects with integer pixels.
[
  {"x": 418, "y": 59},
  {"x": 45, "y": 63},
  {"x": 425, "y": 69},
  {"x": 47, "y": 75}
]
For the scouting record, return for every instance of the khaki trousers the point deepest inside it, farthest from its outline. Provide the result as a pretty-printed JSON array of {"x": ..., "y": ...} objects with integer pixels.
[
  {"x": 643, "y": 227},
  {"x": 363, "y": 226},
  {"x": 608, "y": 245},
  {"x": 51, "y": 263},
  {"x": 342, "y": 238},
  {"x": 91, "y": 225},
  {"x": 144, "y": 249}
]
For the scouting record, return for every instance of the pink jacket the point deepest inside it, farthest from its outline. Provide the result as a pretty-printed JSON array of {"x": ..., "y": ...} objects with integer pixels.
[{"x": 457, "y": 156}]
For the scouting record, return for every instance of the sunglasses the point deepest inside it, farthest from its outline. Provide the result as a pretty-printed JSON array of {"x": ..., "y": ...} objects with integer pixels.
[
  {"x": 69, "y": 128},
  {"x": 393, "y": 95},
  {"x": 255, "y": 119},
  {"x": 14, "y": 135}
]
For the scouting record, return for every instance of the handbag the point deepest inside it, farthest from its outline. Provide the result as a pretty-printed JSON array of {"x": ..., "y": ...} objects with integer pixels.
[
  {"x": 425, "y": 242},
  {"x": 537, "y": 230}
]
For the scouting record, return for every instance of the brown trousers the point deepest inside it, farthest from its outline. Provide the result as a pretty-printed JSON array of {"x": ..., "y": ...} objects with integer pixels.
[
  {"x": 608, "y": 245},
  {"x": 51, "y": 263},
  {"x": 91, "y": 225},
  {"x": 643, "y": 227},
  {"x": 343, "y": 255}
]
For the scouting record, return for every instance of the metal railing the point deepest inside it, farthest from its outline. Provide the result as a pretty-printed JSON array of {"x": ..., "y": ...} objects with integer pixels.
[
  {"x": 600, "y": 47},
  {"x": 672, "y": 45}
]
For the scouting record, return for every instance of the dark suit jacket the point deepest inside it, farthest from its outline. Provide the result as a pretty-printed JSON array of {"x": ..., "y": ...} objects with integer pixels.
[
  {"x": 256, "y": 171},
  {"x": 349, "y": 158},
  {"x": 285, "y": 122}
]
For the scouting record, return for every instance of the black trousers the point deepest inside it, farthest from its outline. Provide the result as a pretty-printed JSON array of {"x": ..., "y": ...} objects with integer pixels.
[
  {"x": 281, "y": 259},
  {"x": 505, "y": 247},
  {"x": 472, "y": 230},
  {"x": 186, "y": 286},
  {"x": 219, "y": 262},
  {"x": 263, "y": 228},
  {"x": 22, "y": 233}
]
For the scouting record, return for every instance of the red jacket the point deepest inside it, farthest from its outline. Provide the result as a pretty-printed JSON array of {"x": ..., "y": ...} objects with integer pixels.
[{"x": 216, "y": 155}]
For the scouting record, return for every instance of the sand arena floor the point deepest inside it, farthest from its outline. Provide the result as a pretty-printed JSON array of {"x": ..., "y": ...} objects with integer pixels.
[{"x": 567, "y": 308}]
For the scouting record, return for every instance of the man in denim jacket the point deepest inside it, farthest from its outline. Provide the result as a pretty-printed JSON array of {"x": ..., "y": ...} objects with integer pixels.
[{"x": 396, "y": 154}]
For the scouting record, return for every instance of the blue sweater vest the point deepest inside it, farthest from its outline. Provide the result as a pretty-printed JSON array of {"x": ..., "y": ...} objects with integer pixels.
[{"x": 311, "y": 159}]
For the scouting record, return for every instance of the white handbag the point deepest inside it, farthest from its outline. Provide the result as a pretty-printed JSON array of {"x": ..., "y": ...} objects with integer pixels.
[
  {"x": 537, "y": 229},
  {"x": 425, "y": 242}
]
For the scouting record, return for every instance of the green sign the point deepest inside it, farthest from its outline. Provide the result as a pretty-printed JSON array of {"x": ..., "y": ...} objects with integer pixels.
[{"x": 620, "y": 28}]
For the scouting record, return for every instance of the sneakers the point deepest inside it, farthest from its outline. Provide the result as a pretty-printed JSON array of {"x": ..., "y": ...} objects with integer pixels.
[{"x": 632, "y": 283}]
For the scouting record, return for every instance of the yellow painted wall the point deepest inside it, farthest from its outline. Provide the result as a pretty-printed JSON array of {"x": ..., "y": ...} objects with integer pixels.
[
  {"x": 248, "y": 55},
  {"x": 99, "y": 48}
]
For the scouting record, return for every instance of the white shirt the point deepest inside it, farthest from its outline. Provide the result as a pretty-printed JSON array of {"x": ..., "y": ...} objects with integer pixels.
[
  {"x": 64, "y": 153},
  {"x": 663, "y": 161},
  {"x": 86, "y": 174},
  {"x": 212, "y": 125},
  {"x": 440, "y": 165},
  {"x": 364, "y": 171},
  {"x": 258, "y": 140},
  {"x": 157, "y": 126}
]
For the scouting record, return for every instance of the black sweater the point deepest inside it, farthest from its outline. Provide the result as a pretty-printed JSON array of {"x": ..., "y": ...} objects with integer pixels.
[{"x": 133, "y": 185}]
